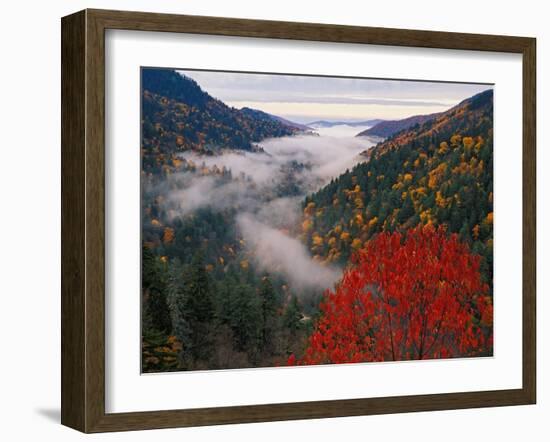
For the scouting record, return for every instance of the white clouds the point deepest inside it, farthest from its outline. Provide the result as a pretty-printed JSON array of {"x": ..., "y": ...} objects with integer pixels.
[
  {"x": 304, "y": 98},
  {"x": 265, "y": 214},
  {"x": 301, "y": 112},
  {"x": 206, "y": 191},
  {"x": 324, "y": 157},
  {"x": 281, "y": 213},
  {"x": 259, "y": 166},
  {"x": 275, "y": 251},
  {"x": 328, "y": 156},
  {"x": 341, "y": 130}
]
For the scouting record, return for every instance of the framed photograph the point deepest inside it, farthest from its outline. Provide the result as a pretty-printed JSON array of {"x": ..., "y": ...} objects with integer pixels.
[{"x": 267, "y": 221}]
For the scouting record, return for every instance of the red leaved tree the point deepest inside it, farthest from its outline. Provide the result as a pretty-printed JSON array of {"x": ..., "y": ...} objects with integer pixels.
[{"x": 417, "y": 295}]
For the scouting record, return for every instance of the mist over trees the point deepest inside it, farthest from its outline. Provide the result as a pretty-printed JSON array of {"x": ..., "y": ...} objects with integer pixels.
[
  {"x": 211, "y": 299},
  {"x": 260, "y": 239}
]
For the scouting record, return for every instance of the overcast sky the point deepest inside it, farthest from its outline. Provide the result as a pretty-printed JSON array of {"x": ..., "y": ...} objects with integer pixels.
[{"x": 305, "y": 99}]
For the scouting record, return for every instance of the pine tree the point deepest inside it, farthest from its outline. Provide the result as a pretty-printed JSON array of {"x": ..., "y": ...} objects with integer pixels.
[
  {"x": 293, "y": 316},
  {"x": 199, "y": 308},
  {"x": 192, "y": 310},
  {"x": 269, "y": 310},
  {"x": 245, "y": 318},
  {"x": 178, "y": 305},
  {"x": 154, "y": 288}
]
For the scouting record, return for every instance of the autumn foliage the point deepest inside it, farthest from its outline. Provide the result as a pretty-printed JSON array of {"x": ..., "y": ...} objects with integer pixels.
[{"x": 417, "y": 295}]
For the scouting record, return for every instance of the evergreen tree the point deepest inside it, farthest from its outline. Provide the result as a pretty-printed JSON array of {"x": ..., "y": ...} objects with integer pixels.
[
  {"x": 293, "y": 316},
  {"x": 199, "y": 308},
  {"x": 154, "y": 288},
  {"x": 178, "y": 304},
  {"x": 245, "y": 318},
  {"x": 192, "y": 310},
  {"x": 269, "y": 311}
]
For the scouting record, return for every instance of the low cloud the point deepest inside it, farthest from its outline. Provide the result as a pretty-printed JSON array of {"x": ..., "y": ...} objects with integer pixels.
[
  {"x": 266, "y": 190},
  {"x": 208, "y": 191},
  {"x": 260, "y": 167},
  {"x": 327, "y": 156},
  {"x": 324, "y": 157},
  {"x": 281, "y": 213},
  {"x": 274, "y": 251}
]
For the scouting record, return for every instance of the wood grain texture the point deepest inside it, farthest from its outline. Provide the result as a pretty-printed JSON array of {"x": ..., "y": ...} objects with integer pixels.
[
  {"x": 529, "y": 220},
  {"x": 73, "y": 255},
  {"x": 95, "y": 222},
  {"x": 144, "y": 21},
  {"x": 83, "y": 220}
]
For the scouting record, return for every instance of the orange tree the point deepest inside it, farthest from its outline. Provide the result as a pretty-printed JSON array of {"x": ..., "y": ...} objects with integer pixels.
[{"x": 417, "y": 295}]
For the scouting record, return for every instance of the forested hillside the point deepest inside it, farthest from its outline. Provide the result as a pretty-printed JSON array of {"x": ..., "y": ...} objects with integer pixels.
[
  {"x": 242, "y": 266},
  {"x": 205, "y": 304},
  {"x": 437, "y": 173},
  {"x": 385, "y": 129},
  {"x": 178, "y": 116}
]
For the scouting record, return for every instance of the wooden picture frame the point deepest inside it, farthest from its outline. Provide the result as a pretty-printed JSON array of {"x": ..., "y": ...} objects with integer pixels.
[{"x": 83, "y": 219}]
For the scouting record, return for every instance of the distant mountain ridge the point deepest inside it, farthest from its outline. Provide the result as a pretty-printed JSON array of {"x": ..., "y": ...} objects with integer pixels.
[
  {"x": 325, "y": 123},
  {"x": 303, "y": 127},
  {"x": 178, "y": 116},
  {"x": 385, "y": 129},
  {"x": 468, "y": 116},
  {"x": 439, "y": 172},
  {"x": 256, "y": 113}
]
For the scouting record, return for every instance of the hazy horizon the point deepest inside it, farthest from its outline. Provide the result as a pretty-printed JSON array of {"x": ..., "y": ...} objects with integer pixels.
[{"x": 305, "y": 99}]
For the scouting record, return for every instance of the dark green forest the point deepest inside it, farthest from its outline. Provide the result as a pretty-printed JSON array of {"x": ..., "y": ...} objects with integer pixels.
[{"x": 205, "y": 302}]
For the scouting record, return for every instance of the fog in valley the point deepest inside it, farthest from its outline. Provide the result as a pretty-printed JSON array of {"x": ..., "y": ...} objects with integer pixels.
[{"x": 266, "y": 190}]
